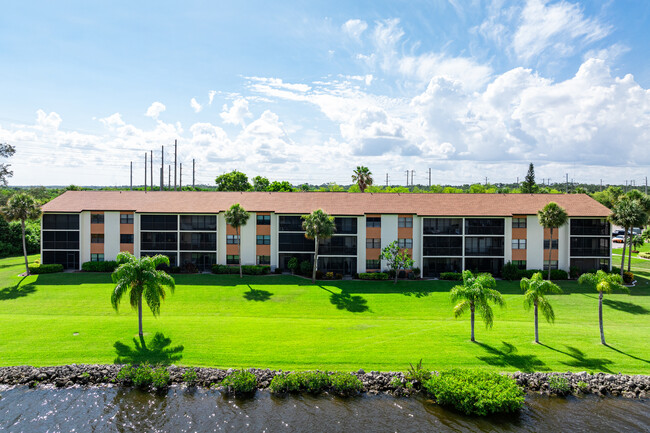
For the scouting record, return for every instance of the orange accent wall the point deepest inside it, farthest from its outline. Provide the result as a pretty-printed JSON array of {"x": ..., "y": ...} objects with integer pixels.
[
  {"x": 127, "y": 247},
  {"x": 263, "y": 230},
  {"x": 547, "y": 233},
  {"x": 126, "y": 229},
  {"x": 263, "y": 250},
  {"x": 554, "y": 254},
  {"x": 519, "y": 233},
  {"x": 97, "y": 229},
  {"x": 373, "y": 232},
  {"x": 96, "y": 248},
  {"x": 230, "y": 230},
  {"x": 373, "y": 253},
  {"x": 518, "y": 254},
  {"x": 232, "y": 250},
  {"x": 405, "y": 232}
]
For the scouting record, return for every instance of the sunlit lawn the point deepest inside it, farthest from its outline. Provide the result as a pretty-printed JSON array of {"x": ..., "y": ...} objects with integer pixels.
[{"x": 286, "y": 322}]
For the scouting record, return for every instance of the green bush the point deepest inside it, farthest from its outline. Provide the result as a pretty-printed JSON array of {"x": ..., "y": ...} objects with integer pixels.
[
  {"x": 345, "y": 384},
  {"x": 476, "y": 392},
  {"x": 329, "y": 275},
  {"x": 510, "y": 272},
  {"x": 319, "y": 275},
  {"x": 45, "y": 269},
  {"x": 644, "y": 255},
  {"x": 144, "y": 376},
  {"x": 160, "y": 378},
  {"x": 451, "y": 276},
  {"x": 574, "y": 272},
  {"x": 628, "y": 277},
  {"x": 240, "y": 382},
  {"x": 559, "y": 384},
  {"x": 416, "y": 272},
  {"x": 189, "y": 376},
  {"x": 558, "y": 274},
  {"x": 373, "y": 276},
  {"x": 582, "y": 386},
  {"x": 246, "y": 269},
  {"x": 223, "y": 269},
  {"x": 283, "y": 383},
  {"x": 108, "y": 266},
  {"x": 417, "y": 373},
  {"x": 312, "y": 382},
  {"x": 338, "y": 276},
  {"x": 293, "y": 264},
  {"x": 306, "y": 268}
]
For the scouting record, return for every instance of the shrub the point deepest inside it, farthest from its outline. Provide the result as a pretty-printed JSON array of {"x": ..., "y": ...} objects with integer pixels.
[
  {"x": 160, "y": 378},
  {"x": 283, "y": 383},
  {"x": 582, "y": 386},
  {"x": 240, "y": 382},
  {"x": 319, "y": 275},
  {"x": 306, "y": 267},
  {"x": 278, "y": 270},
  {"x": 329, "y": 275},
  {"x": 451, "y": 276},
  {"x": 254, "y": 269},
  {"x": 416, "y": 373},
  {"x": 558, "y": 274},
  {"x": 345, "y": 384},
  {"x": 190, "y": 268},
  {"x": 416, "y": 272},
  {"x": 312, "y": 382},
  {"x": 338, "y": 276},
  {"x": 559, "y": 384},
  {"x": 644, "y": 255},
  {"x": 108, "y": 266},
  {"x": 628, "y": 277},
  {"x": 396, "y": 382},
  {"x": 45, "y": 269},
  {"x": 373, "y": 276},
  {"x": 190, "y": 377},
  {"x": 476, "y": 392},
  {"x": 391, "y": 273},
  {"x": 510, "y": 272},
  {"x": 144, "y": 376},
  {"x": 293, "y": 264},
  {"x": 574, "y": 272}
]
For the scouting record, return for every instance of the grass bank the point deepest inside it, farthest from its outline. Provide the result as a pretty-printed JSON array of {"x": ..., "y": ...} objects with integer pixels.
[{"x": 285, "y": 322}]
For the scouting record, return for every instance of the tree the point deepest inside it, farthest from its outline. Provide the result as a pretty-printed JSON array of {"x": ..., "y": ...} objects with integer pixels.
[
  {"x": 141, "y": 279},
  {"x": 609, "y": 196},
  {"x": 22, "y": 207},
  {"x": 626, "y": 213},
  {"x": 362, "y": 177},
  {"x": 603, "y": 282},
  {"x": 396, "y": 257},
  {"x": 6, "y": 150},
  {"x": 318, "y": 225},
  {"x": 305, "y": 187},
  {"x": 260, "y": 183},
  {"x": 236, "y": 217},
  {"x": 535, "y": 290},
  {"x": 640, "y": 217},
  {"x": 550, "y": 217},
  {"x": 233, "y": 181},
  {"x": 528, "y": 186},
  {"x": 280, "y": 186},
  {"x": 475, "y": 294}
]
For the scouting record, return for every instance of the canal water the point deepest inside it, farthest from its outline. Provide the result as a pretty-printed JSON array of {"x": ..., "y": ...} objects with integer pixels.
[{"x": 201, "y": 410}]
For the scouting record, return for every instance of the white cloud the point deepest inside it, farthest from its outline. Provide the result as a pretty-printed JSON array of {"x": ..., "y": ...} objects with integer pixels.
[
  {"x": 237, "y": 113},
  {"x": 113, "y": 121},
  {"x": 155, "y": 109},
  {"x": 354, "y": 28},
  {"x": 47, "y": 121},
  {"x": 195, "y": 105},
  {"x": 211, "y": 95},
  {"x": 609, "y": 54}
]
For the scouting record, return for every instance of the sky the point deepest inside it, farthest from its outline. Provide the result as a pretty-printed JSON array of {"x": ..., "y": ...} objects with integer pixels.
[{"x": 305, "y": 91}]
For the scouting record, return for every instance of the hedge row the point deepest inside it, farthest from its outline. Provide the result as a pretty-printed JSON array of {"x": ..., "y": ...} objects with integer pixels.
[
  {"x": 45, "y": 269},
  {"x": 373, "y": 276},
  {"x": 247, "y": 269},
  {"x": 108, "y": 266}
]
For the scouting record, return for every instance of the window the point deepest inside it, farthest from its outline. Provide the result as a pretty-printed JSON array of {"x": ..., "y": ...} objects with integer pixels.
[
  {"x": 519, "y": 244},
  {"x": 520, "y": 264},
  {"x": 373, "y": 221},
  {"x": 484, "y": 226},
  {"x": 69, "y": 259},
  {"x": 405, "y": 243},
  {"x": 163, "y": 241},
  {"x": 519, "y": 223},
  {"x": 295, "y": 242},
  {"x": 60, "y": 222},
  {"x": 158, "y": 222},
  {"x": 405, "y": 222},
  {"x": 96, "y": 218},
  {"x": 339, "y": 246},
  {"x": 203, "y": 261},
  {"x": 373, "y": 243},
  {"x": 232, "y": 260},
  {"x": 346, "y": 225},
  {"x": 589, "y": 247},
  {"x": 484, "y": 264},
  {"x": 546, "y": 244},
  {"x": 126, "y": 239},
  {"x": 553, "y": 264},
  {"x": 291, "y": 223},
  {"x": 263, "y": 260},
  {"x": 483, "y": 247},
  {"x": 373, "y": 264},
  {"x": 199, "y": 241},
  {"x": 433, "y": 267},
  {"x": 126, "y": 218},
  {"x": 96, "y": 239},
  {"x": 199, "y": 222},
  {"x": 590, "y": 227},
  {"x": 440, "y": 226},
  {"x": 263, "y": 240},
  {"x": 60, "y": 240},
  {"x": 264, "y": 220},
  {"x": 232, "y": 239},
  {"x": 97, "y": 257},
  {"x": 442, "y": 246}
]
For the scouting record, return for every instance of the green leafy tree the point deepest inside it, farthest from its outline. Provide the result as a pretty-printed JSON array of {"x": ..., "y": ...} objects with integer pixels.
[
  {"x": 475, "y": 295},
  {"x": 140, "y": 279},
  {"x": 22, "y": 207},
  {"x": 551, "y": 216},
  {"x": 260, "y": 183},
  {"x": 305, "y": 187},
  {"x": 318, "y": 226},
  {"x": 603, "y": 282},
  {"x": 6, "y": 150},
  {"x": 609, "y": 196},
  {"x": 640, "y": 218},
  {"x": 233, "y": 181},
  {"x": 236, "y": 216},
  {"x": 626, "y": 213},
  {"x": 362, "y": 177},
  {"x": 280, "y": 186},
  {"x": 396, "y": 258},
  {"x": 535, "y": 291},
  {"x": 529, "y": 186}
]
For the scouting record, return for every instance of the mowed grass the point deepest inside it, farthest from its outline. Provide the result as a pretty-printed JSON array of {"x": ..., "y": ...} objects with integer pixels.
[{"x": 285, "y": 322}]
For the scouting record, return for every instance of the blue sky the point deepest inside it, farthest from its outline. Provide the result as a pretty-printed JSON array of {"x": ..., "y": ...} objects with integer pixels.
[{"x": 305, "y": 91}]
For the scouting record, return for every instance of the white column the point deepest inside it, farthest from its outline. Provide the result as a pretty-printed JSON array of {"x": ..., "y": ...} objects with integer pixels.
[
  {"x": 221, "y": 239},
  {"x": 508, "y": 240},
  {"x": 534, "y": 243},
  {"x": 361, "y": 244},
  {"x": 248, "y": 239},
  {"x": 84, "y": 237},
  {"x": 111, "y": 235},
  {"x": 563, "y": 245},
  {"x": 388, "y": 233},
  {"x": 417, "y": 242},
  {"x": 275, "y": 240},
  {"x": 136, "y": 234}
]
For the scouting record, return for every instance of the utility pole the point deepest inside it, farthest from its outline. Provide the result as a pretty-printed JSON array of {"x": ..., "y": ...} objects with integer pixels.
[
  {"x": 386, "y": 179},
  {"x": 626, "y": 186},
  {"x": 517, "y": 181},
  {"x": 162, "y": 167},
  {"x": 169, "y": 180},
  {"x": 407, "y": 178},
  {"x": 131, "y": 178},
  {"x": 646, "y": 185},
  {"x": 151, "y": 168},
  {"x": 145, "y": 172},
  {"x": 193, "y": 166},
  {"x": 412, "y": 173},
  {"x": 566, "y": 189},
  {"x": 485, "y": 180},
  {"x": 429, "y": 177},
  {"x": 601, "y": 185},
  {"x": 175, "y": 160},
  {"x": 180, "y": 178}
]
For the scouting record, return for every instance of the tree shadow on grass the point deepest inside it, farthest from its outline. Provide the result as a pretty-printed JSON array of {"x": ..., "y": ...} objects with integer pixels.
[
  {"x": 157, "y": 351},
  {"x": 627, "y": 354},
  {"x": 627, "y": 307},
  {"x": 17, "y": 291},
  {"x": 257, "y": 295},
  {"x": 345, "y": 301},
  {"x": 507, "y": 356},
  {"x": 417, "y": 294},
  {"x": 580, "y": 359}
]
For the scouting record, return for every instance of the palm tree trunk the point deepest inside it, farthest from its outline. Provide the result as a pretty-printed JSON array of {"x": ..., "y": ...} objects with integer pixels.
[
  {"x": 550, "y": 251},
  {"x": 315, "y": 268},
  {"x": 22, "y": 224},
  {"x": 140, "y": 317},
  {"x": 600, "y": 318},
  {"x": 629, "y": 254},
  {"x": 471, "y": 308},
  {"x": 536, "y": 326},
  {"x": 623, "y": 258},
  {"x": 241, "y": 275}
]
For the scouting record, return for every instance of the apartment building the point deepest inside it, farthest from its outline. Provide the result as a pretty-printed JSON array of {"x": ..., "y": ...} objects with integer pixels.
[{"x": 441, "y": 232}]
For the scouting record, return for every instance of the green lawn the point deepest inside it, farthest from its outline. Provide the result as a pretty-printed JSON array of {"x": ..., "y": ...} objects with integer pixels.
[{"x": 285, "y": 322}]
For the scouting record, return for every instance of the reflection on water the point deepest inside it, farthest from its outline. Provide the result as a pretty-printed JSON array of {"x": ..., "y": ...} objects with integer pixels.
[{"x": 201, "y": 410}]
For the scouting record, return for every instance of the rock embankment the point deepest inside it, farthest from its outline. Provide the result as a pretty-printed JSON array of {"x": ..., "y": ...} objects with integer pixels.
[{"x": 374, "y": 382}]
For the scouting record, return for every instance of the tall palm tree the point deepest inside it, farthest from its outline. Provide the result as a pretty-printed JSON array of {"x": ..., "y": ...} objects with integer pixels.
[
  {"x": 236, "y": 216},
  {"x": 318, "y": 225},
  {"x": 535, "y": 290},
  {"x": 641, "y": 216},
  {"x": 141, "y": 279},
  {"x": 603, "y": 282},
  {"x": 625, "y": 214},
  {"x": 363, "y": 177},
  {"x": 635, "y": 242},
  {"x": 475, "y": 295},
  {"x": 22, "y": 207},
  {"x": 551, "y": 216}
]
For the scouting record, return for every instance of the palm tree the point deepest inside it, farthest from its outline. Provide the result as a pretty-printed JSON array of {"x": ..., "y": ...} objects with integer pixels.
[
  {"x": 604, "y": 283},
  {"x": 475, "y": 294},
  {"x": 625, "y": 214},
  {"x": 363, "y": 177},
  {"x": 640, "y": 216},
  {"x": 236, "y": 216},
  {"x": 22, "y": 207},
  {"x": 551, "y": 216},
  {"x": 535, "y": 290},
  {"x": 318, "y": 225},
  {"x": 635, "y": 242},
  {"x": 141, "y": 279}
]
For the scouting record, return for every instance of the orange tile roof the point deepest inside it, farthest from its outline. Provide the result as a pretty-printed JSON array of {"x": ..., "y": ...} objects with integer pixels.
[{"x": 334, "y": 203}]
